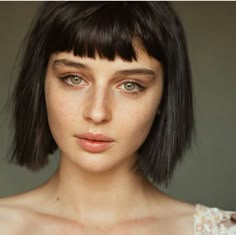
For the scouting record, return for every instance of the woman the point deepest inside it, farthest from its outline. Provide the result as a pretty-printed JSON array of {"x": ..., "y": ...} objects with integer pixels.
[{"x": 109, "y": 84}]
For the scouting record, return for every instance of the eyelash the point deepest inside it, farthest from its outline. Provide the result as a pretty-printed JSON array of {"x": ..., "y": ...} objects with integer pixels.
[{"x": 140, "y": 87}]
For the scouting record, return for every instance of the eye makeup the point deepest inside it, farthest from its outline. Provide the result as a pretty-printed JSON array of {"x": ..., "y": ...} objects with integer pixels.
[{"x": 75, "y": 80}]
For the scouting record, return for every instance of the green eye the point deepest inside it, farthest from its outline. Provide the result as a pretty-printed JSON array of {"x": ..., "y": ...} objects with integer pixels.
[
  {"x": 75, "y": 80},
  {"x": 130, "y": 86}
]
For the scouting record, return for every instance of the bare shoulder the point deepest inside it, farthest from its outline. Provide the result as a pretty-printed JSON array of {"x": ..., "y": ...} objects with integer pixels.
[
  {"x": 20, "y": 215},
  {"x": 177, "y": 217},
  {"x": 11, "y": 219},
  {"x": 172, "y": 219},
  {"x": 183, "y": 217},
  {"x": 15, "y": 217}
]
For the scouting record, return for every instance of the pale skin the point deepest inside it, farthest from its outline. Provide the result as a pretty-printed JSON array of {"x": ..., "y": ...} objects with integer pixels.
[{"x": 97, "y": 193}]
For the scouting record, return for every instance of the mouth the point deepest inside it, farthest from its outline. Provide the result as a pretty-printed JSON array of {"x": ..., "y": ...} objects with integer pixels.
[{"x": 94, "y": 143}]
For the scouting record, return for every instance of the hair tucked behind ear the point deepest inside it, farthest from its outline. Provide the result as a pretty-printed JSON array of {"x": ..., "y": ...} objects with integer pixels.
[{"x": 107, "y": 28}]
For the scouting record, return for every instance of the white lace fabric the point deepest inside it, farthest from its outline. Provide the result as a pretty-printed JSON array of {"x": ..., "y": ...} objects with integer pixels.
[{"x": 213, "y": 221}]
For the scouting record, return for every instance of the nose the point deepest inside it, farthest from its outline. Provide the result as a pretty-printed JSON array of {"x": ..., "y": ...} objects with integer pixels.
[{"x": 97, "y": 109}]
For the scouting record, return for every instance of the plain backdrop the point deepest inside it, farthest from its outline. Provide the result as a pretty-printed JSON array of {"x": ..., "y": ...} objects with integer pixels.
[{"x": 208, "y": 173}]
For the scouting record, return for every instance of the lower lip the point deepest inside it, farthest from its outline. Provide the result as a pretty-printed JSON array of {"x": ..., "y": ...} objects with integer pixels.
[{"x": 94, "y": 146}]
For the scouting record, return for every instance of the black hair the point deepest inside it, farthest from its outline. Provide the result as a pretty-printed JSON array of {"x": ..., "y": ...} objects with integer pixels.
[{"x": 106, "y": 28}]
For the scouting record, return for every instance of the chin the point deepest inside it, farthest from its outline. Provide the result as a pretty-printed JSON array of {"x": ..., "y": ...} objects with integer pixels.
[{"x": 95, "y": 163}]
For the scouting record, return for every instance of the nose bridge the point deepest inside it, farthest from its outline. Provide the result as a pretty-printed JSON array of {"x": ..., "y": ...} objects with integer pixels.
[
  {"x": 98, "y": 109},
  {"x": 99, "y": 96}
]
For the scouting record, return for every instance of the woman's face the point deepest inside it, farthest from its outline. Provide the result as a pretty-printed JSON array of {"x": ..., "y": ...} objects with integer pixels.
[{"x": 101, "y": 111}]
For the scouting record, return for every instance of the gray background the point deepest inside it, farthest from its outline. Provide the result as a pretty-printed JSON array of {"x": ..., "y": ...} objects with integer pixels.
[{"x": 208, "y": 173}]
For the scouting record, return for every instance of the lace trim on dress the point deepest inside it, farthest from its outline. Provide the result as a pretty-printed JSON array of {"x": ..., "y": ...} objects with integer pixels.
[{"x": 213, "y": 221}]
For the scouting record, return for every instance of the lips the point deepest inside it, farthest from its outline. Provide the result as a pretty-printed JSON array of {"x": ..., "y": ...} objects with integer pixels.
[
  {"x": 95, "y": 137},
  {"x": 94, "y": 143}
]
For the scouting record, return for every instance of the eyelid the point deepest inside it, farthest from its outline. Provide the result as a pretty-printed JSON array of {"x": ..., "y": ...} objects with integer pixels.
[{"x": 122, "y": 81}]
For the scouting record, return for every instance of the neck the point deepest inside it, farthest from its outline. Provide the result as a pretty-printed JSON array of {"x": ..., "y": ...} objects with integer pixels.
[{"x": 106, "y": 197}]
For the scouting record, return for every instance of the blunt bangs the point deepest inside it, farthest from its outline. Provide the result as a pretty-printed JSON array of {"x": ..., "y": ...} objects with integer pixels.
[{"x": 106, "y": 29}]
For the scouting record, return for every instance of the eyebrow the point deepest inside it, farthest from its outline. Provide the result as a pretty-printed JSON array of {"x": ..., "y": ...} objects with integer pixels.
[
  {"x": 73, "y": 64},
  {"x": 70, "y": 63}
]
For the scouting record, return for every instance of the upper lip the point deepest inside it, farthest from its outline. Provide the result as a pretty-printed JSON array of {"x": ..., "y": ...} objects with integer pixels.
[{"x": 95, "y": 137}]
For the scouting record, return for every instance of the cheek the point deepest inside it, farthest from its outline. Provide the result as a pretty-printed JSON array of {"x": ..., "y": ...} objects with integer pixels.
[
  {"x": 61, "y": 112},
  {"x": 137, "y": 119},
  {"x": 140, "y": 122}
]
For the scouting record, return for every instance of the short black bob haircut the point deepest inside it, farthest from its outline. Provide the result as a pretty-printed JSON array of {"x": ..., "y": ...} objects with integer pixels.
[{"x": 106, "y": 28}]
